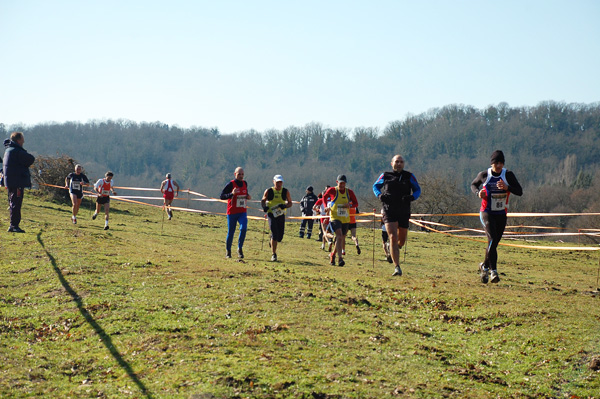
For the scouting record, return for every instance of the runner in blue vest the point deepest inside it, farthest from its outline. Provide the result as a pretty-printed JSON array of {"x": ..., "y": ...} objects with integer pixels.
[
  {"x": 496, "y": 184},
  {"x": 75, "y": 183}
]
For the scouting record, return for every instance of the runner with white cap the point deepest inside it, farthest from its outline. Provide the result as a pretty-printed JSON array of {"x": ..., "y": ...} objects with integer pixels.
[{"x": 274, "y": 202}]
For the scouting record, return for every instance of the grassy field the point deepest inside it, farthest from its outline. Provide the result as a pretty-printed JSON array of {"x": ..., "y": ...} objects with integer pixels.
[{"x": 146, "y": 310}]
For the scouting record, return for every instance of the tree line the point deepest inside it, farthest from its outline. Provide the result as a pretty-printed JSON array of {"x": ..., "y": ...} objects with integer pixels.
[{"x": 551, "y": 147}]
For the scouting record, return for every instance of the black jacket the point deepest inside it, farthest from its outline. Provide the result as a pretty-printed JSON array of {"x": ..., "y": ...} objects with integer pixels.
[
  {"x": 16, "y": 165},
  {"x": 307, "y": 202}
]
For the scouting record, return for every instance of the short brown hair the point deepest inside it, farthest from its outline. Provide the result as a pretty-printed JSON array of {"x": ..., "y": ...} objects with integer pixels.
[{"x": 16, "y": 136}]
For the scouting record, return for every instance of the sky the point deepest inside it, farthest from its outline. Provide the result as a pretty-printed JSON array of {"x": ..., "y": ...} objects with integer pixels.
[{"x": 241, "y": 65}]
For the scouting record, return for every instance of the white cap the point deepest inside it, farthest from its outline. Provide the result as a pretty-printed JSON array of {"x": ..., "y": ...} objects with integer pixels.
[{"x": 278, "y": 178}]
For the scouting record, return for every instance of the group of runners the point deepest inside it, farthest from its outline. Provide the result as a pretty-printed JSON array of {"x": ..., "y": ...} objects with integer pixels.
[
  {"x": 104, "y": 188},
  {"x": 335, "y": 208}
]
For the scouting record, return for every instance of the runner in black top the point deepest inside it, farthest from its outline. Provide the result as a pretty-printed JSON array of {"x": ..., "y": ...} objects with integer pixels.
[
  {"x": 75, "y": 182},
  {"x": 396, "y": 190},
  {"x": 498, "y": 183}
]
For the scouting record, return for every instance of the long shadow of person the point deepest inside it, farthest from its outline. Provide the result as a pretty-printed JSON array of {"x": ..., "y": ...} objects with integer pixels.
[{"x": 105, "y": 338}]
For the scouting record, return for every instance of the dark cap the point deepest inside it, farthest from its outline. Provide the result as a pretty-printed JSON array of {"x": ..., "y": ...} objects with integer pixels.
[
  {"x": 497, "y": 156},
  {"x": 309, "y": 188},
  {"x": 342, "y": 178}
]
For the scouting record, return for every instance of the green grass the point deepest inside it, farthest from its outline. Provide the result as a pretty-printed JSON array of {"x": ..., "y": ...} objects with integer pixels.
[{"x": 151, "y": 310}]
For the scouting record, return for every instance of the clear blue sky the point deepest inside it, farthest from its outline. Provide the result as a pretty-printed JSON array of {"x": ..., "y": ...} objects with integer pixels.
[{"x": 240, "y": 65}]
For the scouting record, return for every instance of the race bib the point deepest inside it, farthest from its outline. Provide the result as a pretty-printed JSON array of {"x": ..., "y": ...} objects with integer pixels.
[
  {"x": 240, "y": 202},
  {"x": 105, "y": 192},
  {"x": 75, "y": 185},
  {"x": 276, "y": 212},
  {"x": 498, "y": 202},
  {"x": 342, "y": 212}
]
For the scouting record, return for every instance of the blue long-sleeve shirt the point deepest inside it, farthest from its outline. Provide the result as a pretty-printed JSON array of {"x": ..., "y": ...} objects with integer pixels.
[{"x": 386, "y": 177}]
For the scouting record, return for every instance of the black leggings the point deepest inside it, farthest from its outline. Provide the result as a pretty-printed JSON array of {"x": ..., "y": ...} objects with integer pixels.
[{"x": 494, "y": 228}]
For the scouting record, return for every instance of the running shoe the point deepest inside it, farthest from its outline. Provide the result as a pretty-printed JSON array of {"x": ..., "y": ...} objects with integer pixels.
[
  {"x": 240, "y": 253},
  {"x": 389, "y": 259},
  {"x": 494, "y": 278},
  {"x": 274, "y": 258},
  {"x": 94, "y": 216},
  {"x": 12, "y": 229},
  {"x": 358, "y": 249},
  {"x": 332, "y": 258},
  {"x": 322, "y": 245},
  {"x": 308, "y": 236},
  {"x": 341, "y": 263},
  {"x": 106, "y": 227},
  {"x": 397, "y": 271},
  {"x": 483, "y": 273},
  {"x": 228, "y": 254},
  {"x": 74, "y": 219}
]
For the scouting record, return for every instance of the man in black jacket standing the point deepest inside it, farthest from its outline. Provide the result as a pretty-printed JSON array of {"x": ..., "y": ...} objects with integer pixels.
[
  {"x": 16, "y": 176},
  {"x": 306, "y": 206}
]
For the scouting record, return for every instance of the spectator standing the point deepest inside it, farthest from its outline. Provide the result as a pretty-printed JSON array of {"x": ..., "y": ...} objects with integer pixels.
[
  {"x": 306, "y": 207},
  {"x": 16, "y": 177}
]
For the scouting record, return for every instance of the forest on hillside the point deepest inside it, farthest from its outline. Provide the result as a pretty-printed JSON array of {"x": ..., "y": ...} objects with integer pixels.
[{"x": 552, "y": 148}]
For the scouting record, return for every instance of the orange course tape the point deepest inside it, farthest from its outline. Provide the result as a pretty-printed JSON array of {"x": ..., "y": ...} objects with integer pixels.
[
  {"x": 504, "y": 244},
  {"x": 459, "y": 229}
]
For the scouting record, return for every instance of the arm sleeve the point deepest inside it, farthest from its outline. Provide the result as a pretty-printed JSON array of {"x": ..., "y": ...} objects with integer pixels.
[
  {"x": 353, "y": 198},
  {"x": 85, "y": 179},
  {"x": 328, "y": 196},
  {"x": 415, "y": 187},
  {"x": 377, "y": 186},
  {"x": 513, "y": 184},
  {"x": 479, "y": 180},
  {"x": 226, "y": 193},
  {"x": 26, "y": 159}
]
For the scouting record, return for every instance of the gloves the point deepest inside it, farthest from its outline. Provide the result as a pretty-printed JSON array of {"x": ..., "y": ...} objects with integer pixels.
[
  {"x": 282, "y": 206},
  {"x": 386, "y": 198},
  {"x": 407, "y": 199},
  {"x": 265, "y": 208}
]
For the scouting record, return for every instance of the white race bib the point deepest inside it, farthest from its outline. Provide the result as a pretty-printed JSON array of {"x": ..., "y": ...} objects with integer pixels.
[
  {"x": 342, "y": 212},
  {"x": 276, "y": 212},
  {"x": 105, "y": 192},
  {"x": 498, "y": 202},
  {"x": 240, "y": 202},
  {"x": 75, "y": 185}
]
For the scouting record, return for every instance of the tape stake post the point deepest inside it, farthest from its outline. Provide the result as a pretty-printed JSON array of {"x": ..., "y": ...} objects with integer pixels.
[
  {"x": 373, "y": 266},
  {"x": 262, "y": 242},
  {"x": 163, "y": 220},
  {"x": 598, "y": 276}
]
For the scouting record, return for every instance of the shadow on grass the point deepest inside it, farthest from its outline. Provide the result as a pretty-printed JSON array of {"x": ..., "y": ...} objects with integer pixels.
[{"x": 106, "y": 340}]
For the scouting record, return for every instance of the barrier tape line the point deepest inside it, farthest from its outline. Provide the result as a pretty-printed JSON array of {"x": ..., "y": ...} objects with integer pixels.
[
  {"x": 515, "y": 233},
  {"x": 505, "y": 244},
  {"x": 131, "y": 199}
]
